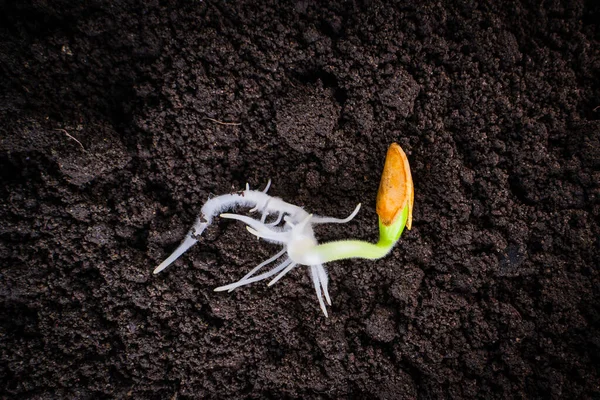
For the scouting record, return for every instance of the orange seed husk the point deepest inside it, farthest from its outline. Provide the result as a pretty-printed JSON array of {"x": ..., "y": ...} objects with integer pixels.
[{"x": 396, "y": 189}]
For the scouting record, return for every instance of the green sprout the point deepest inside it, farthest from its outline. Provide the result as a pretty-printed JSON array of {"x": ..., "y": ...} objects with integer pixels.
[
  {"x": 342, "y": 249},
  {"x": 292, "y": 227}
]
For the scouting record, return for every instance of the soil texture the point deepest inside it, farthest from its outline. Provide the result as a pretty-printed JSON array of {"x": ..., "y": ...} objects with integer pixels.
[{"x": 118, "y": 119}]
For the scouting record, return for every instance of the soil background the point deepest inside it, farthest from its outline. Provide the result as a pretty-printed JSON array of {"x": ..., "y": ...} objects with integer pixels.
[{"x": 112, "y": 137}]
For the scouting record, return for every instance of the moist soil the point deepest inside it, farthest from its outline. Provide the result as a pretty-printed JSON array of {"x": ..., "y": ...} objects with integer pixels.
[{"x": 119, "y": 119}]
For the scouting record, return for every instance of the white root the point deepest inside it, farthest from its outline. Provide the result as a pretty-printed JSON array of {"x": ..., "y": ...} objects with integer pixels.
[
  {"x": 259, "y": 266},
  {"x": 296, "y": 235},
  {"x": 260, "y": 277}
]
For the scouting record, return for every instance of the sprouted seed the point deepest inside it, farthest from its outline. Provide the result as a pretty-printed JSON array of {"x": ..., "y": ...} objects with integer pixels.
[{"x": 292, "y": 227}]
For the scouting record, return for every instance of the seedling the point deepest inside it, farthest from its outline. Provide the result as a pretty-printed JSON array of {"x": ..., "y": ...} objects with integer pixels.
[{"x": 292, "y": 227}]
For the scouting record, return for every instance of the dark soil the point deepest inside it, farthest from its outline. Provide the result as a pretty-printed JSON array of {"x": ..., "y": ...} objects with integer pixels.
[{"x": 494, "y": 293}]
